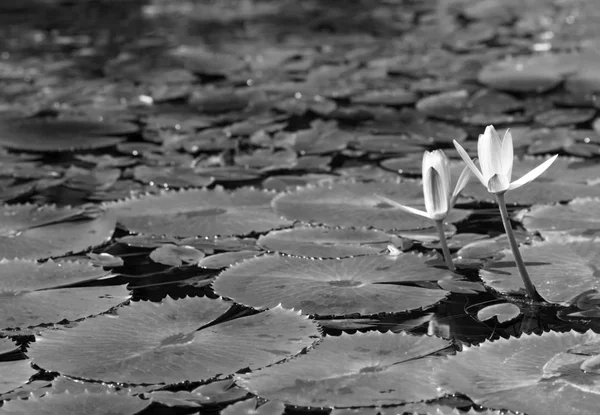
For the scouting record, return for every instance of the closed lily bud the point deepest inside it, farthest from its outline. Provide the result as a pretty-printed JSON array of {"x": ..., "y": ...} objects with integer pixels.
[
  {"x": 436, "y": 187},
  {"x": 496, "y": 161}
]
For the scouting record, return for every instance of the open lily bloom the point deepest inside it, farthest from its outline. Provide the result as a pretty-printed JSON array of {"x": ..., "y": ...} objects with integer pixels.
[
  {"x": 436, "y": 187},
  {"x": 496, "y": 161}
]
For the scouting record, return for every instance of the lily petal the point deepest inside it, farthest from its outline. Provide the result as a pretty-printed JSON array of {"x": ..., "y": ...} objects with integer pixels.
[
  {"x": 462, "y": 182},
  {"x": 404, "y": 208},
  {"x": 507, "y": 154},
  {"x": 435, "y": 193},
  {"x": 533, "y": 174},
  {"x": 489, "y": 150},
  {"x": 498, "y": 184},
  {"x": 463, "y": 154}
]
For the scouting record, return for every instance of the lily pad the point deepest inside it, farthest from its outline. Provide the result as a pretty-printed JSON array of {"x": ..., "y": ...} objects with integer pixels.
[
  {"x": 167, "y": 342},
  {"x": 84, "y": 403},
  {"x": 366, "y": 284},
  {"x": 534, "y": 374},
  {"x": 36, "y": 232},
  {"x": 14, "y": 374},
  {"x": 174, "y": 255},
  {"x": 251, "y": 407},
  {"x": 351, "y": 204},
  {"x": 503, "y": 312},
  {"x": 199, "y": 212},
  {"x": 537, "y": 73},
  {"x": 219, "y": 392},
  {"x": 580, "y": 216},
  {"x": 321, "y": 242},
  {"x": 560, "y": 269},
  {"x": 33, "y": 293},
  {"x": 61, "y": 134},
  {"x": 362, "y": 369}
]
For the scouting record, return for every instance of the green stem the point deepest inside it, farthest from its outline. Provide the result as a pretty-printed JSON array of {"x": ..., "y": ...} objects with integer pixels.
[
  {"x": 447, "y": 257},
  {"x": 514, "y": 246}
]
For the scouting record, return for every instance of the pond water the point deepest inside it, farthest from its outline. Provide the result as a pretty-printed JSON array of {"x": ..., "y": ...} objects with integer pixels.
[{"x": 190, "y": 219}]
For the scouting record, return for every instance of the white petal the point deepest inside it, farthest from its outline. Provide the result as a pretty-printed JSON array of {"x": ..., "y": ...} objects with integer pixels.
[
  {"x": 463, "y": 154},
  {"x": 462, "y": 182},
  {"x": 533, "y": 174},
  {"x": 498, "y": 184},
  {"x": 507, "y": 154},
  {"x": 489, "y": 150},
  {"x": 404, "y": 208},
  {"x": 436, "y": 193}
]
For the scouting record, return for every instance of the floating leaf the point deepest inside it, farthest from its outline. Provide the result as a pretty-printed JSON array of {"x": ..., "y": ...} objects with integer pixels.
[
  {"x": 84, "y": 403},
  {"x": 365, "y": 285},
  {"x": 321, "y": 242},
  {"x": 174, "y": 255},
  {"x": 161, "y": 342},
  {"x": 29, "y": 231},
  {"x": 169, "y": 176},
  {"x": 362, "y": 369},
  {"x": 580, "y": 216},
  {"x": 225, "y": 259},
  {"x": 560, "y": 269},
  {"x": 14, "y": 374},
  {"x": 199, "y": 212},
  {"x": 535, "y": 374},
  {"x": 565, "y": 116},
  {"x": 219, "y": 392},
  {"x": 348, "y": 204},
  {"x": 7, "y": 346},
  {"x": 61, "y": 134},
  {"x": 251, "y": 407},
  {"x": 537, "y": 73},
  {"x": 31, "y": 292},
  {"x": 503, "y": 312}
]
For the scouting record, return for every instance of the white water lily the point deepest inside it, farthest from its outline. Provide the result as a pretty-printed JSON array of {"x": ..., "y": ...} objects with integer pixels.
[
  {"x": 496, "y": 161},
  {"x": 436, "y": 187}
]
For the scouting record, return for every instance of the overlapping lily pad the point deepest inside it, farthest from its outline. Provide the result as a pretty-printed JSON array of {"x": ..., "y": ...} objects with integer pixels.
[
  {"x": 560, "y": 269},
  {"x": 552, "y": 373},
  {"x": 322, "y": 242},
  {"x": 366, "y": 284},
  {"x": 61, "y": 134},
  {"x": 352, "y": 204},
  {"x": 580, "y": 216},
  {"x": 35, "y": 232},
  {"x": 84, "y": 403},
  {"x": 13, "y": 374},
  {"x": 167, "y": 342},
  {"x": 199, "y": 212},
  {"x": 33, "y": 293},
  {"x": 363, "y": 369}
]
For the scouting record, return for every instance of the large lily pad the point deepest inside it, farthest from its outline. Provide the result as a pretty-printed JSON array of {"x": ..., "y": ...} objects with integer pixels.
[
  {"x": 350, "y": 204},
  {"x": 34, "y": 232},
  {"x": 166, "y": 342},
  {"x": 14, "y": 374},
  {"x": 549, "y": 374},
  {"x": 560, "y": 268},
  {"x": 365, "y": 284},
  {"x": 363, "y": 369},
  {"x": 31, "y": 293},
  {"x": 85, "y": 403},
  {"x": 580, "y": 216},
  {"x": 322, "y": 242},
  {"x": 199, "y": 212},
  {"x": 61, "y": 134},
  {"x": 535, "y": 73}
]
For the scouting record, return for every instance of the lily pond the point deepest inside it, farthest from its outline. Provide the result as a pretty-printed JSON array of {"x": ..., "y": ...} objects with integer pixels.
[{"x": 200, "y": 207}]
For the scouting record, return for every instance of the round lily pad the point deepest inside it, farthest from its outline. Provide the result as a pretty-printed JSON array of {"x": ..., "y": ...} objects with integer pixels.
[
  {"x": 362, "y": 369},
  {"x": 555, "y": 373},
  {"x": 366, "y": 284},
  {"x": 199, "y": 212},
  {"x": 168, "y": 342},
  {"x": 52, "y": 135}
]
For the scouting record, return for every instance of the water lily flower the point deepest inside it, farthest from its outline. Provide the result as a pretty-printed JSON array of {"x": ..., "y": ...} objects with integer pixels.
[
  {"x": 496, "y": 161},
  {"x": 436, "y": 187},
  {"x": 436, "y": 192}
]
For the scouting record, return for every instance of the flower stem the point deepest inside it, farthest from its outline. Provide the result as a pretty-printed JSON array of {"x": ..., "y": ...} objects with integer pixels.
[
  {"x": 447, "y": 257},
  {"x": 514, "y": 246}
]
